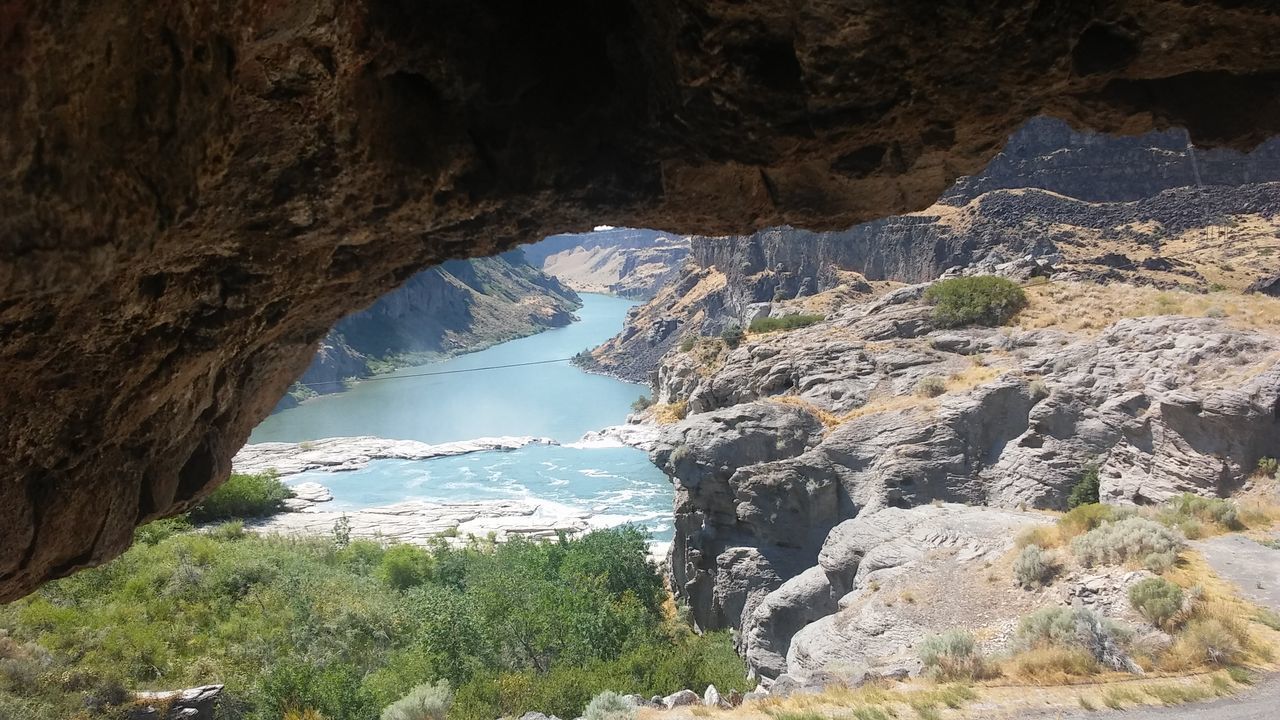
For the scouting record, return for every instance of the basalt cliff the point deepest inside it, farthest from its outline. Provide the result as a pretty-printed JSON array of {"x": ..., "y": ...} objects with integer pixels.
[
  {"x": 627, "y": 262},
  {"x": 458, "y": 306}
]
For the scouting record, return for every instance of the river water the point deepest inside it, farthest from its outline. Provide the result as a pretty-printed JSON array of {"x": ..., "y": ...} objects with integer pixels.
[{"x": 554, "y": 400}]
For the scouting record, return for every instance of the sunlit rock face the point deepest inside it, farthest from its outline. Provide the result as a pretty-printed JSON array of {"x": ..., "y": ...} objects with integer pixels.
[{"x": 191, "y": 193}]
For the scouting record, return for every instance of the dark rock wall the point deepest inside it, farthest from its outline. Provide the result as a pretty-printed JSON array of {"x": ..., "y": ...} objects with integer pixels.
[{"x": 192, "y": 193}]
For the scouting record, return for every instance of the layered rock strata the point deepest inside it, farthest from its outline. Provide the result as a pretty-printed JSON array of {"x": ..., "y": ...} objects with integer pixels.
[{"x": 793, "y": 433}]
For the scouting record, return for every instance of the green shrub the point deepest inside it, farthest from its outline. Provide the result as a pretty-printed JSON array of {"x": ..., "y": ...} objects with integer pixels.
[
  {"x": 1156, "y": 599},
  {"x": 786, "y": 322},
  {"x": 931, "y": 386},
  {"x": 952, "y": 656},
  {"x": 1086, "y": 490},
  {"x": 295, "y": 624},
  {"x": 405, "y": 566},
  {"x": 159, "y": 530},
  {"x": 1268, "y": 467},
  {"x": 1083, "y": 518},
  {"x": 641, "y": 403},
  {"x": 243, "y": 496},
  {"x": 1131, "y": 539},
  {"x": 609, "y": 705},
  {"x": 732, "y": 336},
  {"x": 424, "y": 702},
  {"x": 1189, "y": 513},
  {"x": 687, "y": 343},
  {"x": 1033, "y": 567},
  {"x": 978, "y": 300}
]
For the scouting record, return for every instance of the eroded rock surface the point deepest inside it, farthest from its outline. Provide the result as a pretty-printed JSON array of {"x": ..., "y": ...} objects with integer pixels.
[
  {"x": 193, "y": 193},
  {"x": 1164, "y": 404}
]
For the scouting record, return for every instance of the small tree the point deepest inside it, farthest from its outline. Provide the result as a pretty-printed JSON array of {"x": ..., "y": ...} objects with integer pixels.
[
  {"x": 641, "y": 403},
  {"x": 1087, "y": 490},
  {"x": 732, "y": 336},
  {"x": 424, "y": 702},
  {"x": 978, "y": 300}
]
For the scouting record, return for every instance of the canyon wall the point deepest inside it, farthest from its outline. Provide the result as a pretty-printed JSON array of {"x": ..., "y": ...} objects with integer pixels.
[
  {"x": 1136, "y": 195},
  {"x": 627, "y": 262},
  {"x": 458, "y": 306}
]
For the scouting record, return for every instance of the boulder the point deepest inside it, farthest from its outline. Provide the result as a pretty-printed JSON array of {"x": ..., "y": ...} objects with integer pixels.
[
  {"x": 711, "y": 698},
  {"x": 681, "y": 699}
]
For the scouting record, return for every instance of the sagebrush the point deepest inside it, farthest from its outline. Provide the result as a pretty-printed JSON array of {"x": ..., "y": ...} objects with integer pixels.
[{"x": 1129, "y": 540}]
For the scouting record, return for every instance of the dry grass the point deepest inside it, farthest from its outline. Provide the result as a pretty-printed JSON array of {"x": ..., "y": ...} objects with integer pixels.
[
  {"x": 670, "y": 413},
  {"x": 1088, "y": 307},
  {"x": 826, "y": 417},
  {"x": 1050, "y": 665}
]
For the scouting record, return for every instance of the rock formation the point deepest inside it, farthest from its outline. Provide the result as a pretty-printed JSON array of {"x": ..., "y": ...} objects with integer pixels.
[
  {"x": 1108, "y": 208},
  {"x": 458, "y": 306},
  {"x": 793, "y": 433},
  {"x": 193, "y": 193},
  {"x": 626, "y": 262}
]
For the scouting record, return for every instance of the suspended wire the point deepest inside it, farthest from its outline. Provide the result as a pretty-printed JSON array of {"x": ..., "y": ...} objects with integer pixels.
[{"x": 377, "y": 378}]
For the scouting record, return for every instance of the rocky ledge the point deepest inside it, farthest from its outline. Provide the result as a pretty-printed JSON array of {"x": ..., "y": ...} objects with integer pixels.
[
  {"x": 421, "y": 522},
  {"x": 875, "y": 409},
  {"x": 353, "y": 453}
]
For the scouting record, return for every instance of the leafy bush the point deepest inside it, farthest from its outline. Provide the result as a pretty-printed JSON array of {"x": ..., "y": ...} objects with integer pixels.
[
  {"x": 1033, "y": 567},
  {"x": 951, "y": 656},
  {"x": 786, "y": 322},
  {"x": 687, "y": 343},
  {"x": 405, "y": 566},
  {"x": 243, "y": 496},
  {"x": 1156, "y": 599},
  {"x": 424, "y": 702},
  {"x": 931, "y": 386},
  {"x": 1131, "y": 539},
  {"x": 1086, "y": 490},
  {"x": 978, "y": 300},
  {"x": 732, "y": 336},
  {"x": 1268, "y": 467},
  {"x": 1189, "y": 513},
  {"x": 1083, "y": 518},
  {"x": 609, "y": 705},
  {"x": 641, "y": 403}
]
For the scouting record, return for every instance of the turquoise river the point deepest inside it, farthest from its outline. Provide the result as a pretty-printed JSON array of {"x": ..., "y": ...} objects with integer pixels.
[{"x": 554, "y": 400}]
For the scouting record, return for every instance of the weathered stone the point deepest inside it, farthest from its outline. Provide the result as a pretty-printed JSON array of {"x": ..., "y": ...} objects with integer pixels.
[{"x": 681, "y": 699}]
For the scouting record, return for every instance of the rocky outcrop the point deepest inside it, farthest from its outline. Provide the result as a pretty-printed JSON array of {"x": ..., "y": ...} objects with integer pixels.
[
  {"x": 1047, "y": 153},
  {"x": 192, "y": 195},
  {"x": 831, "y": 623},
  {"x": 794, "y": 433},
  {"x": 626, "y": 262},
  {"x": 198, "y": 703},
  {"x": 459, "y": 306},
  {"x": 338, "y": 454}
]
